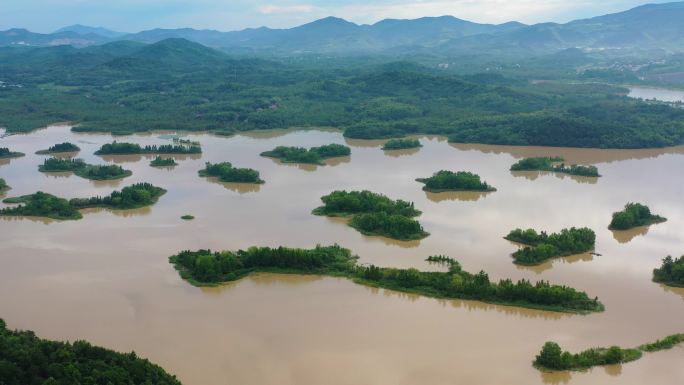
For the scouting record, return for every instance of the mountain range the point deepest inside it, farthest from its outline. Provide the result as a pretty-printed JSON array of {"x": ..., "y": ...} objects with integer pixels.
[{"x": 647, "y": 27}]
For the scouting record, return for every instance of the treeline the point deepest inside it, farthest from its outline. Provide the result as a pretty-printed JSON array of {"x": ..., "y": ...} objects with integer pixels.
[
  {"x": 7, "y": 153},
  {"x": 454, "y": 181},
  {"x": 671, "y": 272},
  {"x": 225, "y": 172},
  {"x": 204, "y": 267},
  {"x": 130, "y": 197},
  {"x": 374, "y": 214},
  {"x": 84, "y": 170},
  {"x": 3, "y": 186},
  {"x": 634, "y": 215},
  {"x": 26, "y": 359},
  {"x": 60, "y": 147},
  {"x": 552, "y": 357},
  {"x": 314, "y": 155},
  {"x": 549, "y": 164},
  {"x": 122, "y": 148},
  {"x": 540, "y": 247},
  {"x": 401, "y": 144},
  {"x": 162, "y": 162}
]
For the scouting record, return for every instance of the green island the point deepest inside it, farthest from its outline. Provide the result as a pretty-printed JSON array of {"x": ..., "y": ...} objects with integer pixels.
[
  {"x": 6, "y": 153},
  {"x": 225, "y": 172},
  {"x": 540, "y": 247},
  {"x": 207, "y": 268},
  {"x": 26, "y": 359},
  {"x": 401, "y": 144},
  {"x": 83, "y": 169},
  {"x": 634, "y": 215},
  {"x": 374, "y": 214},
  {"x": 59, "y": 148},
  {"x": 4, "y": 186},
  {"x": 163, "y": 162},
  {"x": 47, "y": 205},
  {"x": 187, "y": 217},
  {"x": 549, "y": 164},
  {"x": 671, "y": 272},
  {"x": 443, "y": 181},
  {"x": 314, "y": 155},
  {"x": 553, "y": 358},
  {"x": 122, "y": 148}
]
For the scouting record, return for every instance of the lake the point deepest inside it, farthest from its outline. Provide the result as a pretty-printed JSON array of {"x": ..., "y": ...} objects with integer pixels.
[
  {"x": 661, "y": 94},
  {"x": 106, "y": 278}
]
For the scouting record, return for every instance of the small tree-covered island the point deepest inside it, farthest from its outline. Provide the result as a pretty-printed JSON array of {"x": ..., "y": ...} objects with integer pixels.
[
  {"x": 671, "y": 272},
  {"x": 540, "y": 247},
  {"x": 6, "y": 153},
  {"x": 551, "y": 164},
  {"x": 314, "y": 155},
  {"x": 59, "y": 148},
  {"x": 123, "y": 148},
  {"x": 207, "y": 268},
  {"x": 3, "y": 186},
  {"x": 163, "y": 162},
  {"x": 374, "y": 214},
  {"x": 634, "y": 215},
  {"x": 401, "y": 144},
  {"x": 225, "y": 172},
  {"x": 553, "y": 358},
  {"x": 47, "y": 205},
  {"x": 83, "y": 169},
  {"x": 26, "y": 359},
  {"x": 443, "y": 181}
]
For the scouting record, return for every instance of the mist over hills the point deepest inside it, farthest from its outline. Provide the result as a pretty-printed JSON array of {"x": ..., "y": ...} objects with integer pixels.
[{"x": 653, "y": 26}]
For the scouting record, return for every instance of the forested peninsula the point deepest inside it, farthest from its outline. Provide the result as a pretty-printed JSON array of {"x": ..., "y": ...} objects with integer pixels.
[
  {"x": 83, "y": 169},
  {"x": 59, "y": 148},
  {"x": 123, "y": 148},
  {"x": 207, "y": 268},
  {"x": 554, "y": 165},
  {"x": 671, "y": 272},
  {"x": 6, "y": 153}
]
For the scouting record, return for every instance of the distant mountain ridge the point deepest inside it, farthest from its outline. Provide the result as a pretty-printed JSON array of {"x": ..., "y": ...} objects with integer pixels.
[{"x": 651, "y": 26}]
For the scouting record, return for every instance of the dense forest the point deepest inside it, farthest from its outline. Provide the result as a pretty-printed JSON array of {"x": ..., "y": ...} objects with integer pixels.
[
  {"x": 119, "y": 148},
  {"x": 204, "y": 267},
  {"x": 61, "y": 165},
  {"x": 59, "y": 148},
  {"x": 84, "y": 170},
  {"x": 540, "y": 247},
  {"x": 163, "y": 162},
  {"x": 443, "y": 180},
  {"x": 634, "y": 215},
  {"x": 6, "y": 153},
  {"x": 130, "y": 197},
  {"x": 314, "y": 155},
  {"x": 671, "y": 272},
  {"x": 225, "y": 172},
  {"x": 401, "y": 144},
  {"x": 175, "y": 84},
  {"x": 549, "y": 164},
  {"x": 374, "y": 214},
  {"x": 26, "y": 359}
]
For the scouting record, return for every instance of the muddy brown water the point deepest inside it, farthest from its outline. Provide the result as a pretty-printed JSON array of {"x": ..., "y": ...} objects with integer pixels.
[{"x": 106, "y": 278}]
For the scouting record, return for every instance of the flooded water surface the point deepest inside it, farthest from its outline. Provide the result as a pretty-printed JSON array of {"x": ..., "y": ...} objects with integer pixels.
[{"x": 106, "y": 278}]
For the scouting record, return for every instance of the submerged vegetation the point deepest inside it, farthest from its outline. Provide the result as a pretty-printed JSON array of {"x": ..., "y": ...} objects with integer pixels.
[
  {"x": 374, "y": 214},
  {"x": 26, "y": 359},
  {"x": 314, "y": 155},
  {"x": 671, "y": 272},
  {"x": 122, "y": 148},
  {"x": 6, "y": 153},
  {"x": 634, "y": 215},
  {"x": 163, "y": 162},
  {"x": 225, "y": 172},
  {"x": 549, "y": 164},
  {"x": 552, "y": 357},
  {"x": 59, "y": 148},
  {"x": 130, "y": 197},
  {"x": 401, "y": 144},
  {"x": 443, "y": 180},
  {"x": 540, "y": 247},
  {"x": 206, "y": 268}
]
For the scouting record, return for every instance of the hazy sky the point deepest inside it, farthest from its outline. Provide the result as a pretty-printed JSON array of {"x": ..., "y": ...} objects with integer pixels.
[{"x": 227, "y": 15}]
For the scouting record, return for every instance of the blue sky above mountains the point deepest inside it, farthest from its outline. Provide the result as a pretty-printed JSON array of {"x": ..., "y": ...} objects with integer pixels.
[{"x": 227, "y": 15}]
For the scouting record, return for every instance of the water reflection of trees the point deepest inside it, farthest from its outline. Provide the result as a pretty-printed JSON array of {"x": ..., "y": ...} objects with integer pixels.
[
  {"x": 534, "y": 175},
  {"x": 402, "y": 152},
  {"x": 133, "y": 158},
  {"x": 313, "y": 167},
  {"x": 376, "y": 238},
  {"x": 240, "y": 188},
  {"x": 538, "y": 269},
  {"x": 463, "y": 196},
  {"x": 625, "y": 236}
]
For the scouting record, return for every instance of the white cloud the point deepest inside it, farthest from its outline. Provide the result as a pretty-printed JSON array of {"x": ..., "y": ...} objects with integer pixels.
[{"x": 280, "y": 9}]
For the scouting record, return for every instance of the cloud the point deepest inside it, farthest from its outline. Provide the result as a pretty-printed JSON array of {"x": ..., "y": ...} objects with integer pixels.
[{"x": 281, "y": 9}]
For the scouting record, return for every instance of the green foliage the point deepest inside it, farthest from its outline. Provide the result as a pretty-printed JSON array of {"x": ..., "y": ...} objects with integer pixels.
[
  {"x": 3, "y": 185},
  {"x": 41, "y": 204},
  {"x": 388, "y": 225},
  {"x": 61, "y": 165},
  {"x": 118, "y": 148},
  {"x": 671, "y": 272},
  {"x": 187, "y": 217},
  {"x": 7, "y": 153},
  {"x": 314, "y": 155},
  {"x": 663, "y": 344},
  {"x": 552, "y": 357},
  {"x": 225, "y": 172},
  {"x": 130, "y": 197},
  {"x": 547, "y": 164},
  {"x": 634, "y": 215},
  {"x": 204, "y": 267},
  {"x": 543, "y": 246},
  {"x": 29, "y": 360},
  {"x": 60, "y": 147},
  {"x": 402, "y": 143},
  {"x": 84, "y": 170},
  {"x": 454, "y": 181},
  {"x": 162, "y": 162}
]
